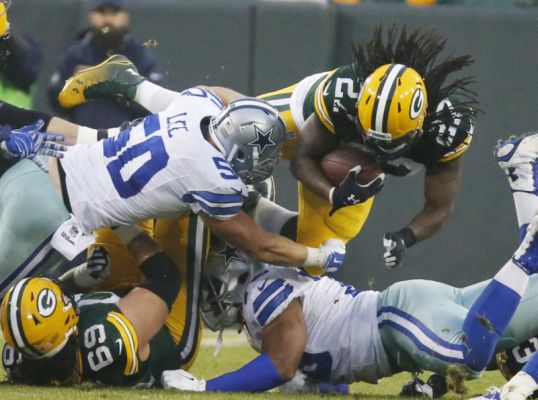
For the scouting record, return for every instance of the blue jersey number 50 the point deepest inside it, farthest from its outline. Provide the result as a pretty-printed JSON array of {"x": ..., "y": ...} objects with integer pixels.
[{"x": 154, "y": 146}]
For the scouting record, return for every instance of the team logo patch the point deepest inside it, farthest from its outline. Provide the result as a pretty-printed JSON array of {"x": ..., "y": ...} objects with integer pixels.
[
  {"x": 417, "y": 103},
  {"x": 46, "y": 302},
  {"x": 263, "y": 139}
]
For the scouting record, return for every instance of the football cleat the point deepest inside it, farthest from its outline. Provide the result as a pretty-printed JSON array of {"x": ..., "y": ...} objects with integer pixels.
[
  {"x": 526, "y": 255},
  {"x": 115, "y": 77},
  {"x": 520, "y": 387},
  {"x": 494, "y": 393},
  {"x": 517, "y": 157}
]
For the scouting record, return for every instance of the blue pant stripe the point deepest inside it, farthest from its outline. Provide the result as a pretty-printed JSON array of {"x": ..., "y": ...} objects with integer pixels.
[{"x": 421, "y": 326}]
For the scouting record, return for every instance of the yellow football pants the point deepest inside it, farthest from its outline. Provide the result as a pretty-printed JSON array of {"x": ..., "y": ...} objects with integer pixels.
[{"x": 314, "y": 225}]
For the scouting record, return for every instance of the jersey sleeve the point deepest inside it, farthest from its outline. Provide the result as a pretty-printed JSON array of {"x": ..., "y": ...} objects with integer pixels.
[
  {"x": 220, "y": 202},
  {"x": 453, "y": 131},
  {"x": 270, "y": 293},
  {"x": 335, "y": 103}
]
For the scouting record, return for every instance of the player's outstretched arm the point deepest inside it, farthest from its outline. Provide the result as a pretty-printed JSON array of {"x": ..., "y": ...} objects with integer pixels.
[
  {"x": 241, "y": 232},
  {"x": 313, "y": 142},
  {"x": 283, "y": 343}
]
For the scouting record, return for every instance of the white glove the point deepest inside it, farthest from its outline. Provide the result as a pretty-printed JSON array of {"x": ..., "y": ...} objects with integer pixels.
[{"x": 180, "y": 379}]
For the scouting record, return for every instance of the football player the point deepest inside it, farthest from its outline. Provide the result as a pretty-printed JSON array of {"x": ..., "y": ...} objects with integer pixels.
[
  {"x": 336, "y": 333},
  {"x": 393, "y": 102},
  {"x": 100, "y": 337},
  {"x": 194, "y": 156}
]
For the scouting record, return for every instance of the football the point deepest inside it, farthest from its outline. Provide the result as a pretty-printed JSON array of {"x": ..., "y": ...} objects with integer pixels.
[{"x": 337, "y": 163}]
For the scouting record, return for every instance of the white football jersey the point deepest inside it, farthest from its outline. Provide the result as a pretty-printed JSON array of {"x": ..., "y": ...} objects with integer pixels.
[
  {"x": 343, "y": 338},
  {"x": 159, "y": 168}
]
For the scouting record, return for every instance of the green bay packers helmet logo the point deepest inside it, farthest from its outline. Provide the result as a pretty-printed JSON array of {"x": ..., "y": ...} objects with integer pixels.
[
  {"x": 46, "y": 302},
  {"x": 417, "y": 104}
]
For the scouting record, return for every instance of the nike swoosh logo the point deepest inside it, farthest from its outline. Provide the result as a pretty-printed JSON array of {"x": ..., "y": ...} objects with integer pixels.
[
  {"x": 237, "y": 191},
  {"x": 261, "y": 287}
]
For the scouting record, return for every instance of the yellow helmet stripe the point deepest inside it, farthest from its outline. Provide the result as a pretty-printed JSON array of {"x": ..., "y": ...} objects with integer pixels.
[
  {"x": 380, "y": 114},
  {"x": 15, "y": 322},
  {"x": 130, "y": 339}
]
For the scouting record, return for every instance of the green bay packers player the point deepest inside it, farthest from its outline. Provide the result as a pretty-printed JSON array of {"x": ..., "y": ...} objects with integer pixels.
[
  {"x": 101, "y": 337},
  {"x": 393, "y": 101}
]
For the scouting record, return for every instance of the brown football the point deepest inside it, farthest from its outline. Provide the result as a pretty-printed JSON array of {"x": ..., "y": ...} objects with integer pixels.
[{"x": 337, "y": 163}]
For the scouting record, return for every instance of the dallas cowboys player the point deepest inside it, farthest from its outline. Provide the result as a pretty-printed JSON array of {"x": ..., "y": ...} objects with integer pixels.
[
  {"x": 333, "y": 332},
  {"x": 193, "y": 156}
]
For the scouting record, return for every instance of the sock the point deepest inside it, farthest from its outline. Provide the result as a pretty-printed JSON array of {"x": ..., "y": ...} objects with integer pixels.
[
  {"x": 258, "y": 375},
  {"x": 153, "y": 97},
  {"x": 526, "y": 205},
  {"x": 270, "y": 216},
  {"x": 531, "y": 368},
  {"x": 491, "y": 313}
]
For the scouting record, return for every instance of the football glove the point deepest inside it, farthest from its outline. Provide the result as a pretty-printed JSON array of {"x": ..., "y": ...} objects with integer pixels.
[
  {"x": 395, "y": 244},
  {"x": 349, "y": 192},
  {"x": 336, "y": 253},
  {"x": 180, "y": 379},
  {"x": 435, "y": 387},
  {"x": 29, "y": 142},
  {"x": 95, "y": 270}
]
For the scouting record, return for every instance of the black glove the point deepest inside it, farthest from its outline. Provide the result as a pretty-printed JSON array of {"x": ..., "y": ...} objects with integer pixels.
[
  {"x": 435, "y": 387},
  {"x": 349, "y": 192},
  {"x": 395, "y": 244}
]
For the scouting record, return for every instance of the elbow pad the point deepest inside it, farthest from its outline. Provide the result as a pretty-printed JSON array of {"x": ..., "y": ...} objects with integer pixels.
[{"x": 162, "y": 277}]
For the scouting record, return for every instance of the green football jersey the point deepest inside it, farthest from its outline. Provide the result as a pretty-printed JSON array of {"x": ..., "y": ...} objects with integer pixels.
[
  {"x": 109, "y": 345},
  {"x": 333, "y": 98}
]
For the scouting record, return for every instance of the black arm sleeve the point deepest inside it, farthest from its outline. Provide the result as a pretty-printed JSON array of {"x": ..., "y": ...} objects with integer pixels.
[
  {"x": 19, "y": 117},
  {"x": 162, "y": 277}
]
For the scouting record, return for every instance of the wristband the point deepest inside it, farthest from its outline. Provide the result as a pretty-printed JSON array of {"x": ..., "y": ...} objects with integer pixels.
[
  {"x": 408, "y": 236},
  {"x": 315, "y": 257}
]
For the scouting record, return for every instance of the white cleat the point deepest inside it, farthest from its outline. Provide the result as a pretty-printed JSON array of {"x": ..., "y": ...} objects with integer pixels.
[{"x": 518, "y": 157}]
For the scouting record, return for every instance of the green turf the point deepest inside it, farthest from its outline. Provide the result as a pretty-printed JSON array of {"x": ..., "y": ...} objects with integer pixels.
[{"x": 234, "y": 352}]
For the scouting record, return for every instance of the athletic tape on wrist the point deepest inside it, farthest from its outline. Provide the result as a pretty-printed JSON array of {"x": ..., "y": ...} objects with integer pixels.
[{"x": 315, "y": 257}]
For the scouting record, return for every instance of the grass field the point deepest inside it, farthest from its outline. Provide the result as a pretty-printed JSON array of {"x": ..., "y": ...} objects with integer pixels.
[{"x": 235, "y": 351}]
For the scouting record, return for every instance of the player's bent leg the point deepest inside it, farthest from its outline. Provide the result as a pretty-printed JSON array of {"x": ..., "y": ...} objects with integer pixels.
[
  {"x": 420, "y": 326},
  {"x": 30, "y": 212},
  {"x": 185, "y": 240}
]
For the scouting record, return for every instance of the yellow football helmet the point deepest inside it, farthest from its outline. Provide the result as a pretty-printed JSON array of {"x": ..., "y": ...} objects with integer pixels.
[
  {"x": 37, "y": 317},
  {"x": 391, "y": 109}
]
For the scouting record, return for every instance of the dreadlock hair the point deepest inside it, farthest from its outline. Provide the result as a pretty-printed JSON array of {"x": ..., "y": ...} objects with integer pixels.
[{"x": 418, "y": 50}]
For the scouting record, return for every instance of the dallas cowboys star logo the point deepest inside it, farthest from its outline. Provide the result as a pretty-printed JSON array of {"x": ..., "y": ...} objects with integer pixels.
[
  {"x": 263, "y": 138},
  {"x": 230, "y": 253}
]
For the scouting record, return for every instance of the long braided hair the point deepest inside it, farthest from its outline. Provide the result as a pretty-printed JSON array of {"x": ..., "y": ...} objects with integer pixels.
[{"x": 419, "y": 50}]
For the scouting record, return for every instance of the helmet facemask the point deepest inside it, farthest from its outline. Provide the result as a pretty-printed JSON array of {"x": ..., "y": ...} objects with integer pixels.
[{"x": 250, "y": 134}]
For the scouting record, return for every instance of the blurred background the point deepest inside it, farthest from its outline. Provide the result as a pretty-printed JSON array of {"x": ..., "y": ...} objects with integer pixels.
[{"x": 256, "y": 46}]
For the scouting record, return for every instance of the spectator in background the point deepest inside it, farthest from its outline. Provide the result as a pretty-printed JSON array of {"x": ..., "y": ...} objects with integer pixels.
[
  {"x": 107, "y": 34},
  {"x": 21, "y": 60}
]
